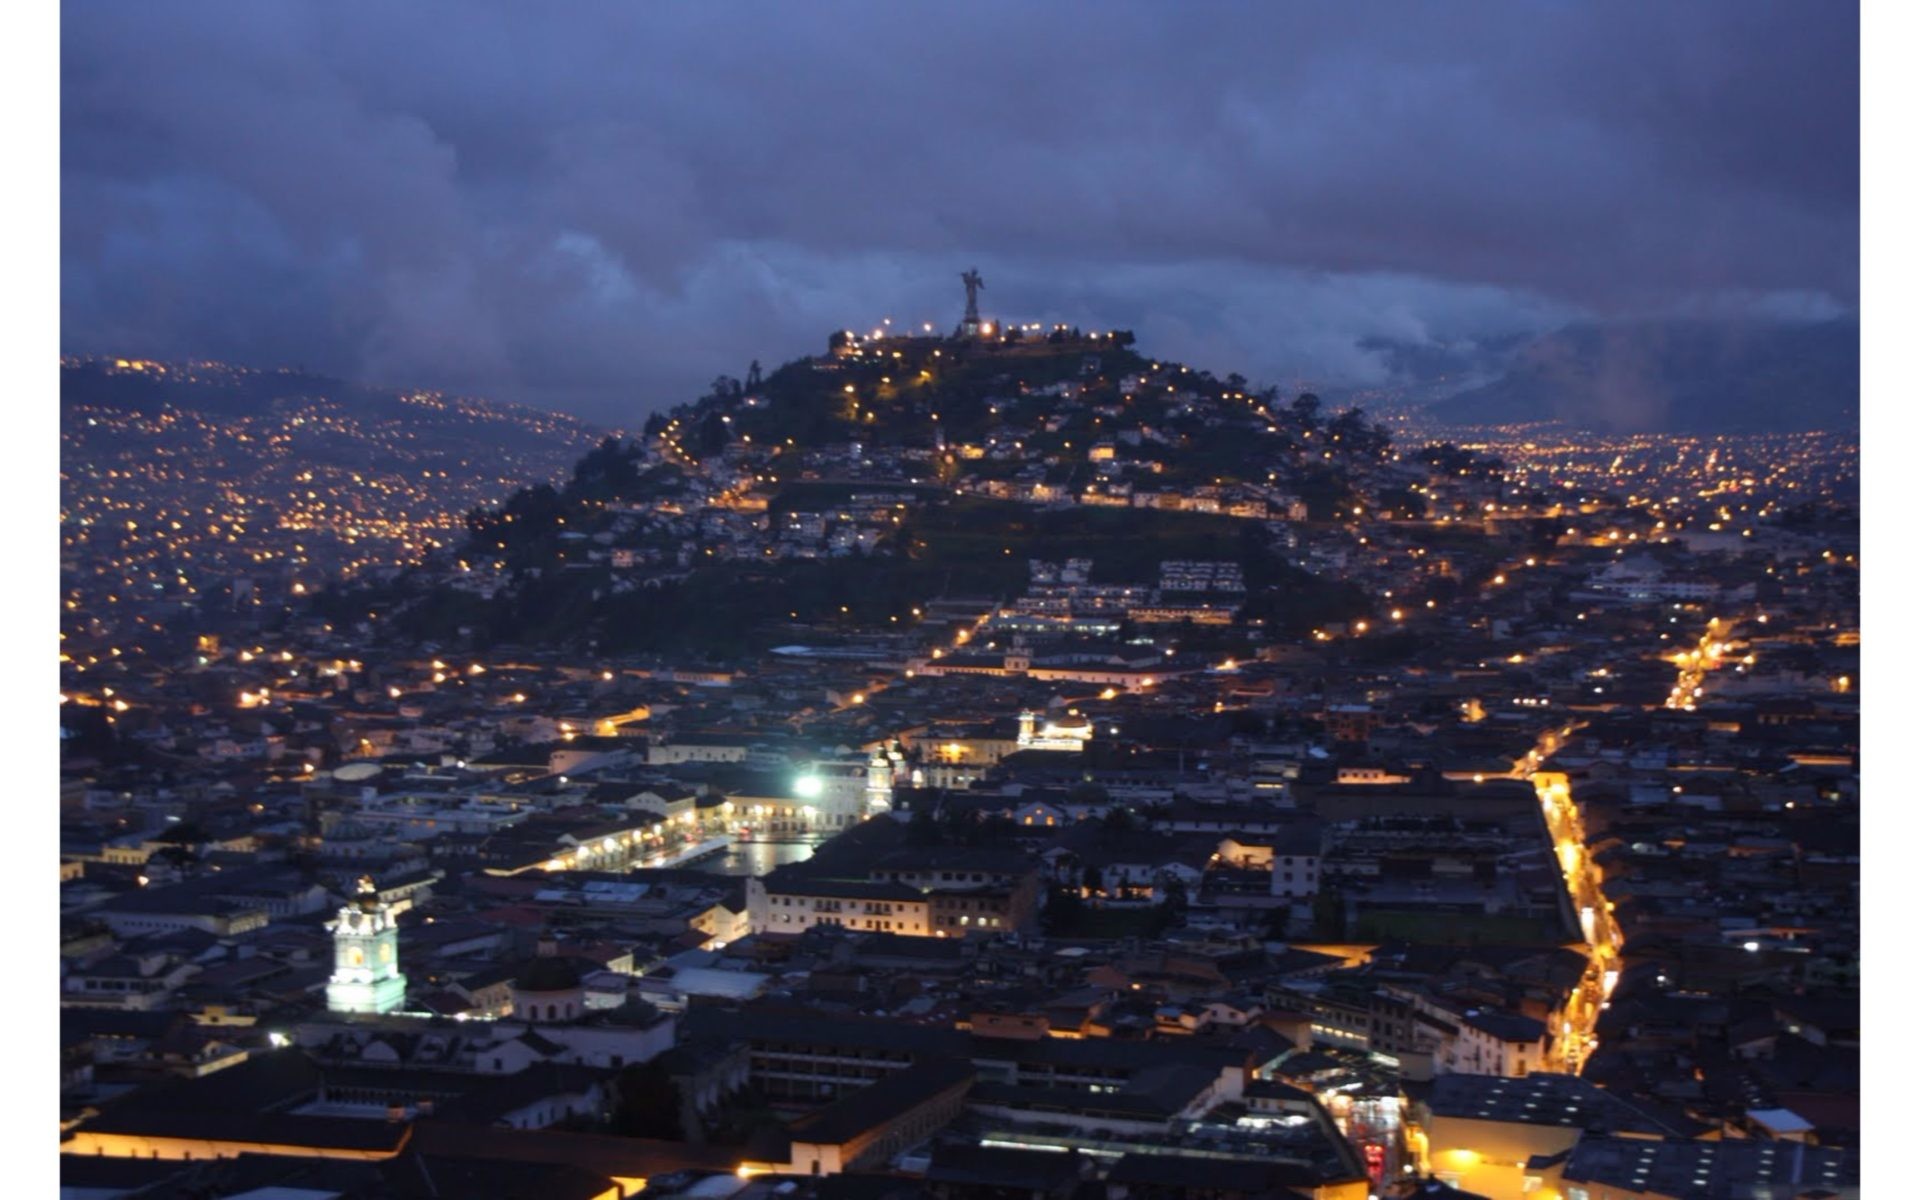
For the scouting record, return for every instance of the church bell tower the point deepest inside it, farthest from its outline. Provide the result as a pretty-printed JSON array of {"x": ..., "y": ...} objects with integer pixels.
[
  {"x": 366, "y": 956},
  {"x": 879, "y": 789}
]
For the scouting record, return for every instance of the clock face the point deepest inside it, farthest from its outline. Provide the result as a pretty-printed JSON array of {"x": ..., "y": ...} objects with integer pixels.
[
  {"x": 386, "y": 952},
  {"x": 355, "y": 956}
]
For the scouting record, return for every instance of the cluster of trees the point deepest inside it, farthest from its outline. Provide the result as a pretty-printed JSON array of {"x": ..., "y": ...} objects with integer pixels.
[
  {"x": 1819, "y": 514},
  {"x": 959, "y": 829},
  {"x": 1400, "y": 502},
  {"x": 523, "y": 530},
  {"x": 609, "y": 471},
  {"x": 536, "y": 511},
  {"x": 1451, "y": 459},
  {"x": 1297, "y": 602},
  {"x": 1348, "y": 434}
]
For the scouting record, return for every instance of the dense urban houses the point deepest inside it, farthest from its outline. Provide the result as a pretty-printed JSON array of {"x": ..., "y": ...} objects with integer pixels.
[{"x": 984, "y": 764}]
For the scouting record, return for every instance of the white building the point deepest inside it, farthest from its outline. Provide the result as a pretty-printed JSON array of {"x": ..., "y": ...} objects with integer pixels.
[{"x": 366, "y": 956}]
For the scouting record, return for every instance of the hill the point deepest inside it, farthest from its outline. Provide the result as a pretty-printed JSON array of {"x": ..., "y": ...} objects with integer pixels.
[
  {"x": 1676, "y": 377},
  {"x": 841, "y": 491}
]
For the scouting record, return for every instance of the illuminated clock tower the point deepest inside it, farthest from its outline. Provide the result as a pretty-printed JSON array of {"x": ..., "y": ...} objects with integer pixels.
[{"x": 366, "y": 956}]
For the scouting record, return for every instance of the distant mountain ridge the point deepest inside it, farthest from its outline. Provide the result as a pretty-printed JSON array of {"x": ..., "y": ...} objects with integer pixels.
[
  {"x": 1697, "y": 376},
  {"x": 230, "y": 390}
]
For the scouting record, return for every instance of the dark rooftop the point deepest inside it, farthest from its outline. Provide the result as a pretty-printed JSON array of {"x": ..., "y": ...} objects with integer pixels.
[
  {"x": 1542, "y": 1098},
  {"x": 857, "y": 1112}
]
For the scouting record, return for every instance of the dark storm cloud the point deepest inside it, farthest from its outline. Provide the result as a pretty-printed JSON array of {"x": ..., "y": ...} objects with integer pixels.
[{"x": 600, "y": 207}]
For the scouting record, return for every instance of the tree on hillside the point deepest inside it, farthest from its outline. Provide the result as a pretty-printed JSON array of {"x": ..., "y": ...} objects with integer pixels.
[
  {"x": 1064, "y": 910},
  {"x": 1401, "y": 502},
  {"x": 1087, "y": 793},
  {"x": 1348, "y": 426},
  {"x": 1329, "y": 915},
  {"x": 714, "y": 436},
  {"x": 519, "y": 525},
  {"x": 180, "y": 845},
  {"x": 607, "y": 471},
  {"x": 1452, "y": 460}
]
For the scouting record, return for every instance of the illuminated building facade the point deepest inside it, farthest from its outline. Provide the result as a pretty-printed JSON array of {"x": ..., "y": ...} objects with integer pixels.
[{"x": 366, "y": 956}]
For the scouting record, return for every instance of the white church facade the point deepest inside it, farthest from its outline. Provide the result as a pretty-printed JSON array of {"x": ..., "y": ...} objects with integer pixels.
[{"x": 366, "y": 956}]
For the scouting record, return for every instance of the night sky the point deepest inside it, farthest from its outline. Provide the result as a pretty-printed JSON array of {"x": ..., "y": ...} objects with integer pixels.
[{"x": 600, "y": 207}]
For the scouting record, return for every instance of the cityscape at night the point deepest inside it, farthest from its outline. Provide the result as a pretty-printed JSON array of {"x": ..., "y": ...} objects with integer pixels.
[{"x": 593, "y": 668}]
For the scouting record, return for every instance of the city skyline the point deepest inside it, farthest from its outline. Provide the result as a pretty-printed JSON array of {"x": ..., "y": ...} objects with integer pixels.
[{"x": 839, "y": 603}]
